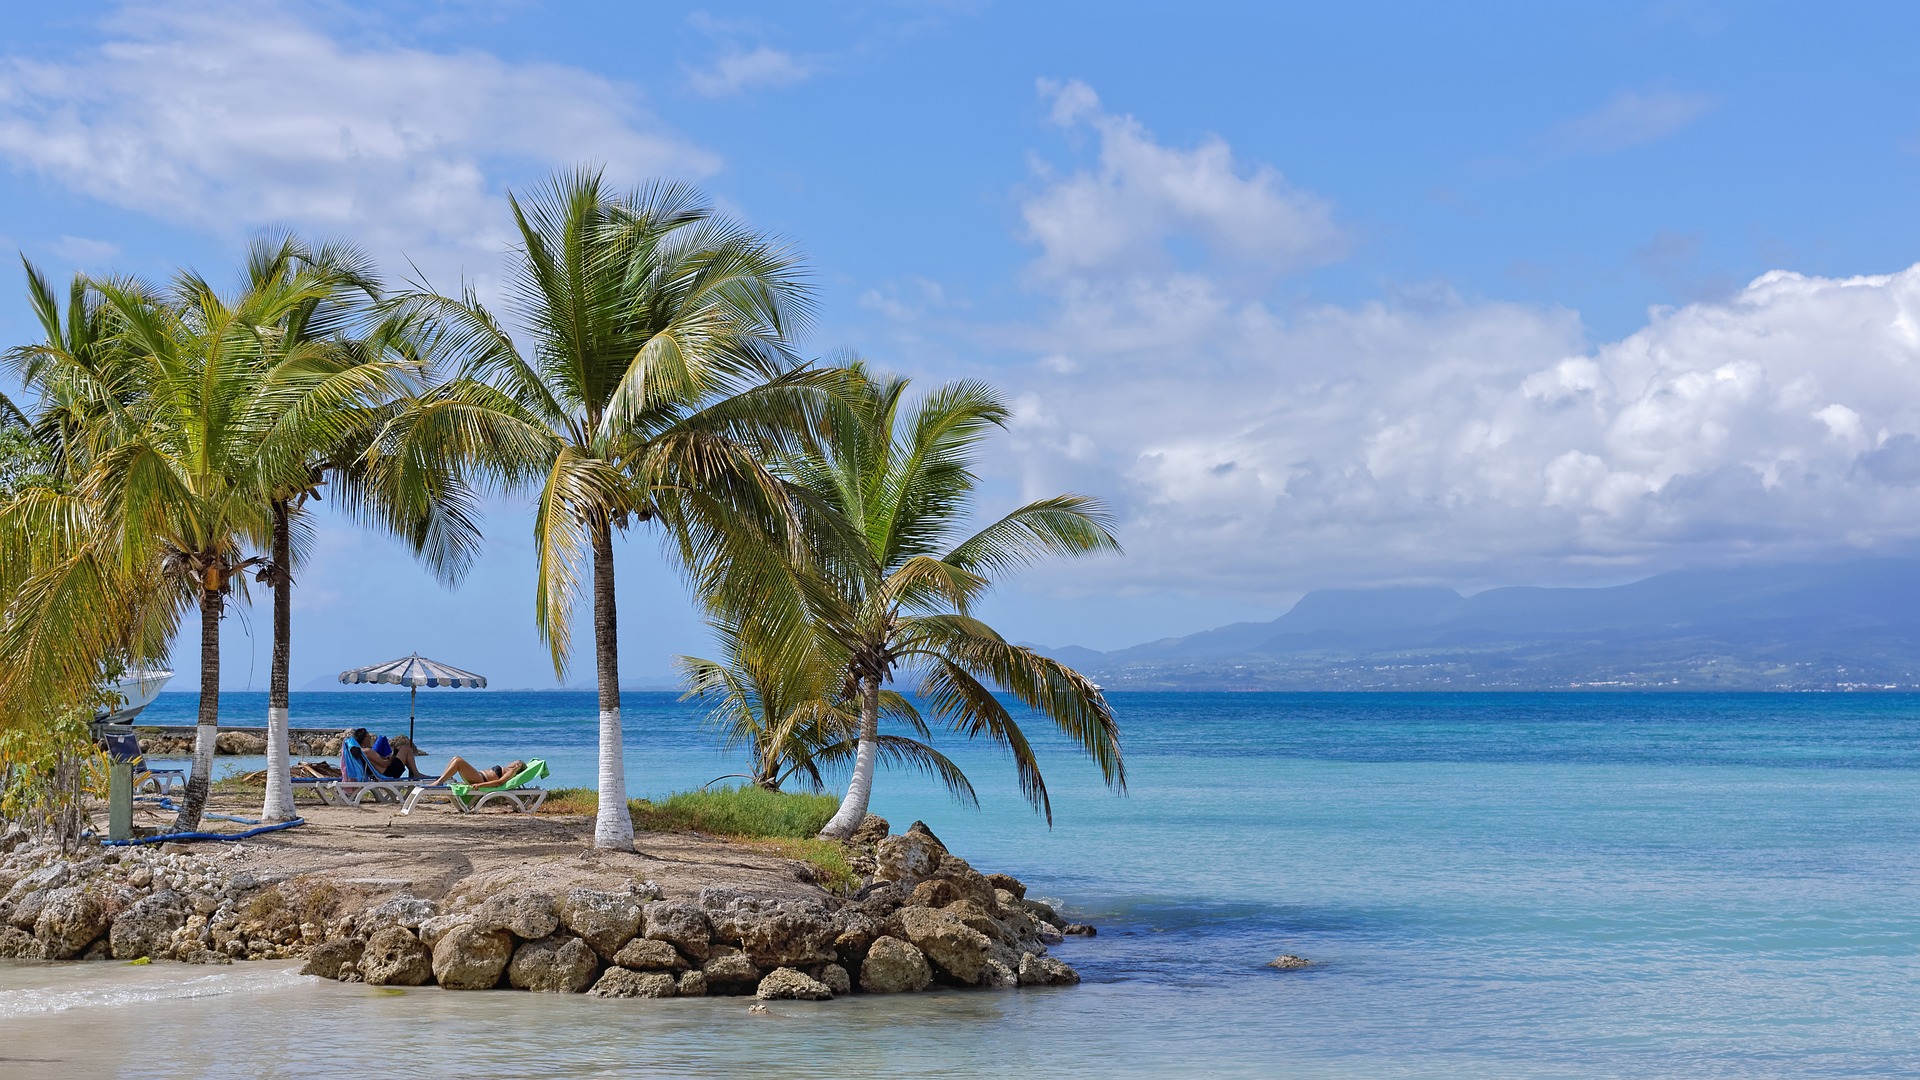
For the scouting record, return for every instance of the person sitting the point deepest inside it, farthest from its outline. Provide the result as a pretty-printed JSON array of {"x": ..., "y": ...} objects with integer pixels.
[
  {"x": 480, "y": 778},
  {"x": 392, "y": 759}
]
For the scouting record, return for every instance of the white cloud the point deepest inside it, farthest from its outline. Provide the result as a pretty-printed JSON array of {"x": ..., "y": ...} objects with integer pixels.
[
  {"x": 229, "y": 117},
  {"x": 1119, "y": 216},
  {"x": 1631, "y": 119},
  {"x": 1260, "y": 452},
  {"x": 736, "y": 71},
  {"x": 85, "y": 251}
]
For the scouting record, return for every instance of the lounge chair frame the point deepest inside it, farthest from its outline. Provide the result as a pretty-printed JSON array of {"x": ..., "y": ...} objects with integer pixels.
[{"x": 525, "y": 800}]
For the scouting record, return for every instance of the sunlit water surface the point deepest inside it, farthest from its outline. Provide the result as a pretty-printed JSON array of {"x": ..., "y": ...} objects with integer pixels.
[{"x": 1490, "y": 885}]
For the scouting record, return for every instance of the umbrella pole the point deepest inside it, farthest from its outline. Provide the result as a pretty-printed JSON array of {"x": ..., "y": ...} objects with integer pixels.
[{"x": 413, "y": 695}]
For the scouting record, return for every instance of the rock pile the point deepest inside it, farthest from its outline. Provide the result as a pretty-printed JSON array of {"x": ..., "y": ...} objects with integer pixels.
[
  {"x": 239, "y": 743},
  {"x": 927, "y": 918}
]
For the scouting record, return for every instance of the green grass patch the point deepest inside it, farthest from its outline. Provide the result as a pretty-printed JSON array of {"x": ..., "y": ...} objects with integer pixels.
[
  {"x": 745, "y": 812},
  {"x": 571, "y": 800},
  {"x": 827, "y": 857}
]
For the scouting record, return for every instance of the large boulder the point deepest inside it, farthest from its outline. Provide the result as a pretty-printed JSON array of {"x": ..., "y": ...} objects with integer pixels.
[
  {"x": 1045, "y": 971},
  {"x": 469, "y": 958},
  {"x": 69, "y": 921},
  {"x": 330, "y": 958},
  {"x": 1010, "y": 884},
  {"x": 693, "y": 984},
  {"x": 955, "y": 948},
  {"x": 240, "y": 744},
  {"x": 618, "y": 982},
  {"x": 17, "y": 944},
  {"x": 558, "y": 965},
  {"x": 790, "y": 984},
  {"x": 836, "y": 978},
  {"x": 729, "y": 970},
  {"x": 892, "y": 966},
  {"x": 50, "y": 876},
  {"x": 528, "y": 915},
  {"x": 604, "y": 920},
  {"x": 778, "y": 931},
  {"x": 395, "y": 957},
  {"x": 646, "y": 954},
  {"x": 147, "y": 928},
  {"x": 681, "y": 925},
  {"x": 432, "y": 930},
  {"x": 910, "y": 857},
  {"x": 979, "y": 918}
]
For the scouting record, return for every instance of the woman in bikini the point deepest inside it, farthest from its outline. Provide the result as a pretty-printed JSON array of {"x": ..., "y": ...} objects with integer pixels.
[{"x": 473, "y": 777}]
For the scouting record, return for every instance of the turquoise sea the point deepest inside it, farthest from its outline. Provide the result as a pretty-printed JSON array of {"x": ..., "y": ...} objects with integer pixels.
[{"x": 1557, "y": 885}]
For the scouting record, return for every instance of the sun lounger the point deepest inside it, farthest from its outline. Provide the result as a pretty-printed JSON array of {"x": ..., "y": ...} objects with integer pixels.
[
  {"x": 466, "y": 798},
  {"x": 358, "y": 782}
]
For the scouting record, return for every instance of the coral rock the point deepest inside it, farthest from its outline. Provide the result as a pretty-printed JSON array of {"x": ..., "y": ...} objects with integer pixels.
[
  {"x": 892, "y": 966},
  {"x": 618, "y": 982},
  {"x": 604, "y": 920},
  {"x": 469, "y": 958},
  {"x": 789, "y": 984},
  {"x": 395, "y": 957},
  {"x": 555, "y": 965}
]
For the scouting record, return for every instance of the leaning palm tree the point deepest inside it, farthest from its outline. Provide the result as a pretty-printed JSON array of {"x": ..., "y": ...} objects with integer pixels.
[
  {"x": 178, "y": 483},
  {"x": 795, "y": 718},
  {"x": 71, "y": 609},
  {"x": 656, "y": 370},
  {"x": 892, "y": 580}
]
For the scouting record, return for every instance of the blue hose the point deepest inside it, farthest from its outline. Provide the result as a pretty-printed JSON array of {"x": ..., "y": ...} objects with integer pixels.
[{"x": 167, "y": 804}]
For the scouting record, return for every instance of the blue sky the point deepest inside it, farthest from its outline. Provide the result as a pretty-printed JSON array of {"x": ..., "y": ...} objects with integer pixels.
[{"x": 1313, "y": 295}]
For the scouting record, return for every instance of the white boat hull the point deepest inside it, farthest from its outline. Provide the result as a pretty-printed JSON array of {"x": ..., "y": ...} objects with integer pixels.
[{"x": 135, "y": 690}]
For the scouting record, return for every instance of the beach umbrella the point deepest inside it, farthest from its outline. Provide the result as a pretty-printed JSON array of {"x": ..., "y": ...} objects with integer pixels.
[{"x": 413, "y": 671}]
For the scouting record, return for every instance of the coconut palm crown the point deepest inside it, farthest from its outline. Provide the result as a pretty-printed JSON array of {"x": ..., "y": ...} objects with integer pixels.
[
  {"x": 892, "y": 578},
  {"x": 656, "y": 370}
]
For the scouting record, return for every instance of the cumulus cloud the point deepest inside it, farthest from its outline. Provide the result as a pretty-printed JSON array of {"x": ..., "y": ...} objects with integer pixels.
[
  {"x": 1119, "y": 216},
  {"x": 229, "y": 117},
  {"x": 1631, "y": 119},
  {"x": 1442, "y": 439}
]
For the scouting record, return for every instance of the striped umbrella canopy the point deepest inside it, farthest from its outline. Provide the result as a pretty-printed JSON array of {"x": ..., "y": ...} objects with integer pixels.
[{"x": 413, "y": 671}]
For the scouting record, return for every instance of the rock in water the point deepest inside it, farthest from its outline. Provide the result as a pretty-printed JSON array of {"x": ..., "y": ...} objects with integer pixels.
[
  {"x": 147, "y": 928},
  {"x": 529, "y": 915},
  {"x": 777, "y": 931},
  {"x": 604, "y": 920},
  {"x": 892, "y": 966},
  {"x": 618, "y": 982},
  {"x": 469, "y": 958},
  {"x": 394, "y": 957},
  {"x": 646, "y": 954},
  {"x": 1045, "y": 971},
  {"x": 1288, "y": 961},
  {"x": 790, "y": 984},
  {"x": 693, "y": 984},
  {"x": 730, "y": 969},
  {"x": 837, "y": 979},
  {"x": 329, "y": 957},
  {"x": 1011, "y": 884},
  {"x": 952, "y": 945},
  {"x": 555, "y": 965},
  {"x": 68, "y": 922},
  {"x": 681, "y": 925}
]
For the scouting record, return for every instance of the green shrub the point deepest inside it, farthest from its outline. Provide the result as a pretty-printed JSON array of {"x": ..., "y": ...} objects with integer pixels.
[{"x": 745, "y": 812}]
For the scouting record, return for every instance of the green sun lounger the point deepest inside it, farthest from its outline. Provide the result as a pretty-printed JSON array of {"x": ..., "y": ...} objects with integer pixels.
[{"x": 466, "y": 798}]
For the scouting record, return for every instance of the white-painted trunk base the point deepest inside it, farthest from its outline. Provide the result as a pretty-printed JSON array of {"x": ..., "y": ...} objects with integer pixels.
[
  {"x": 279, "y": 801},
  {"x": 612, "y": 825},
  {"x": 853, "y": 808}
]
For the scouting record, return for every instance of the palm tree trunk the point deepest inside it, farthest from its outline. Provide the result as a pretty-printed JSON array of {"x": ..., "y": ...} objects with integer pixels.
[
  {"x": 201, "y": 777},
  {"x": 279, "y": 801},
  {"x": 612, "y": 825},
  {"x": 853, "y": 808}
]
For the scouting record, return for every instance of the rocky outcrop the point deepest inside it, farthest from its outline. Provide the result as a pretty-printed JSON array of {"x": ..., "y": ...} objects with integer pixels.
[
  {"x": 395, "y": 957},
  {"x": 557, "y": 965},
  {"x": 925, "y": 918},
  {"x": 1289, "y": 962},
  {"x": 470, "y": 958},
  {"x": 788, "y": 984},
  {"x": 892, "y": 967}
]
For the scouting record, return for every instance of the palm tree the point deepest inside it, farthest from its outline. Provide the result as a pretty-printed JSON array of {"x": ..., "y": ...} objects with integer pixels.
[
  {"x": 350, "y": 377},
  {"x": 794, "y": 718},
  {"x": 71, "y": 609},
  {"x": 657, "y": 370},
  {"x": 891, "y": 582},
  {"x": 178, "y": 484}
]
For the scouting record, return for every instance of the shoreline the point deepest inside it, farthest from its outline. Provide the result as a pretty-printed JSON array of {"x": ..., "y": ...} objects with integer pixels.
[{"x": 513, "y": 901}]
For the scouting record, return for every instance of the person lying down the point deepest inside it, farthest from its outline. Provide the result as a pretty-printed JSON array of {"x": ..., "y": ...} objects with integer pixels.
[{"x": 480, "y": 778}]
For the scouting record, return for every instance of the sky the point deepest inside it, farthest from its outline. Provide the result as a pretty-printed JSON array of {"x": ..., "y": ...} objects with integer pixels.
[{"x": 1311, "y": 295}]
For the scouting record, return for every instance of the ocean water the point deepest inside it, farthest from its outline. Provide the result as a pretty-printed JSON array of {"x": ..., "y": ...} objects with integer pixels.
[{"x": 1490, "y": 885}]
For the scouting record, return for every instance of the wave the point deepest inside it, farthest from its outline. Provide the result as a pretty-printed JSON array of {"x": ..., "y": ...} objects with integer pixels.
[{"x": 111, "y": 988}]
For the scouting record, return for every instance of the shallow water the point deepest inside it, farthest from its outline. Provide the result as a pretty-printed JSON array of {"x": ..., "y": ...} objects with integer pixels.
[{"x": 1492, "y": 885}]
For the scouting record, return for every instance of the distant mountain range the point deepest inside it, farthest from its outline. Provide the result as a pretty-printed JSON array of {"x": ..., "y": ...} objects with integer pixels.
[{"x": 1831, "y": 626}]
